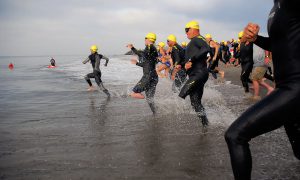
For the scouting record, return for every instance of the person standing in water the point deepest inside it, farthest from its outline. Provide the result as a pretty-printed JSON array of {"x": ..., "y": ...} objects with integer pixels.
[
  {"x": 177, "y": 55},
  {"x": 214, "y": 61},
  {"x": 165, "y": 61},
  {"x": 95, "y": 59},
  {"x": 258, "y": 72},
  {"x": 246, "y": 58},
  {"x": 281, "y": 107},
  {"x": 52, "y": 61},
  {"x": 196, "y": 67},
  {"x": 147, "y": 60}
]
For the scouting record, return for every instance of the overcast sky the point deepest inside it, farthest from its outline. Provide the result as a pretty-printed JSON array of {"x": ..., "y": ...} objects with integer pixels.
[{"x": 70, "y": 27}]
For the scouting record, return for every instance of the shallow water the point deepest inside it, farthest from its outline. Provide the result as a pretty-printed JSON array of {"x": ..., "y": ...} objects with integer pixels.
[{"x": 52, "y": 128}]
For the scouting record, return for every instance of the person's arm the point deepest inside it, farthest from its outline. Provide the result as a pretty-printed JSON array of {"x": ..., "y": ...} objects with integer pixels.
[
  {"x": 216, "y": 46},
  {"x": 267, "y": 57},
  {"x": 176, "y": 57},
  {"x": 263, "y": 42},
  {"x": 104, "y": 57},
  {"x": 208, "y": 58},
  {"x": 135, "y": 51},
  {"x": 86, "y": 60}
]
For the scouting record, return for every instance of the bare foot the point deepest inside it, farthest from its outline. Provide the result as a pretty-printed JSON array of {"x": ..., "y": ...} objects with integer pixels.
[
  {"x": 222, "y": 73},
  {"x": 137, "y": 95},
  {"x": 91, "y": 88},
  {"x": 255, "y": 98}
]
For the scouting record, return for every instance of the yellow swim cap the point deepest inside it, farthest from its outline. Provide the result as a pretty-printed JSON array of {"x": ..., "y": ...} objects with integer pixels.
[
  {"x": 151, "y": 37},
  {"x": 241, "y": 34},
  {"x": 208, "y": 36},
  {"x": 193, "y": 25},
  {"x": 94, "y": 48},
  {"x": 161, "y": 44},
  {"x": 172, "y": 37}
]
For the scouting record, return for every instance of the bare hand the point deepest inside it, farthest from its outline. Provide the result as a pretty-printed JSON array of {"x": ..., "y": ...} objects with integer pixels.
[
  {"x": 129, "y": 46},
  {"x": 133, "y": 61},
  {"x": 188, "y": 65},
  {"x": 250, "y": 32},
  {"x": 173, "y": 77},
  {"x": 178, "y": 67}
]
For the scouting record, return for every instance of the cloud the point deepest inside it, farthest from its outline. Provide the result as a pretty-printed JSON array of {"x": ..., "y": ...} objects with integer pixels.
[{"x": 54, "y": 27}]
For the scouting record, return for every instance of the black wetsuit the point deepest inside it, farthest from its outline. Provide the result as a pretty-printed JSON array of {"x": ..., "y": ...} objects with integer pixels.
[
  {"x": 177, "y": 56},
  {"x": 148, "y": 61},
  {"x": 236, "y": 53},
  {"x": 52, "y": 62},
  {"x": 225, "y": 53},
  {"x": 246, "y": 59},
  {"x": 196, "y": 52},
  {"x": 213, "y": 64},
  {"x": 281, "y": 107},
  {"x": 95, "y": 61}
]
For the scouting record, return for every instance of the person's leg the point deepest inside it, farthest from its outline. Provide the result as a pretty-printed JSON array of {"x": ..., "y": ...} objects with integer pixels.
[
  {"x": 159, "y": 69},
  {"x": 267, "y": 86},
  {"x": 88, "y": 80},
  {"x": 100, "y": 83},
  {"x": 97, "y": 76},
  {"x": 246, "y": 70},
  {"x": 150, "y": 92},
  {"x": 195, "y": 97},
  {"x": 140, "y": 87},
  {"x": 167, "y": 71},
  {"x": 244, "y": 79},
  {"x": 292, "y": 129},
  {"x": 257, "y": 120},
  {"x": 255, "y": 88}
]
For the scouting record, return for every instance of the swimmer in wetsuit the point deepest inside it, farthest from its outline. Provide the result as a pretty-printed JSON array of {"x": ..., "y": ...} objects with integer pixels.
[
  {"x": 196, "y": 67},
  {"x": 177, "y": 58},
  {"x": 52, "y": 61},
  {"x": 246, "y": 59},
  {"x": 214, "y": 60},
  {"x": 281, "y": 107},
  {"x": 148, "y": 61},
  {"x": 95, "y": 58}
]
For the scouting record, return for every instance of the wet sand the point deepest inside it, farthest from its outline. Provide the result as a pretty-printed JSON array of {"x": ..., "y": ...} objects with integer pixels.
[{"x": 92, "y": 137}]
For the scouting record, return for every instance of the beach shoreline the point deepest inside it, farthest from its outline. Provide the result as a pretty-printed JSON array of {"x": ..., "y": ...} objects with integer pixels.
[{"x": 58, "y": 130}]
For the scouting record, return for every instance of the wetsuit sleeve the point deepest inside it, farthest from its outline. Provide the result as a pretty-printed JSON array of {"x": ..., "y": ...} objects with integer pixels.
[
  {"x": 140, "y": 55},
  {"x": 104, "y": 57},
  {"x": 263, "y": 42},
  {"x": 176, "y": 58},
  {"x": 86, "y": 60},
  {"x": 135, "y": 51}
]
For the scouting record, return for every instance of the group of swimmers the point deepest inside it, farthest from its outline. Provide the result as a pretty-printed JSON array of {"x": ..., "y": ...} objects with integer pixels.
[{"x": 188, "y": 68}]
